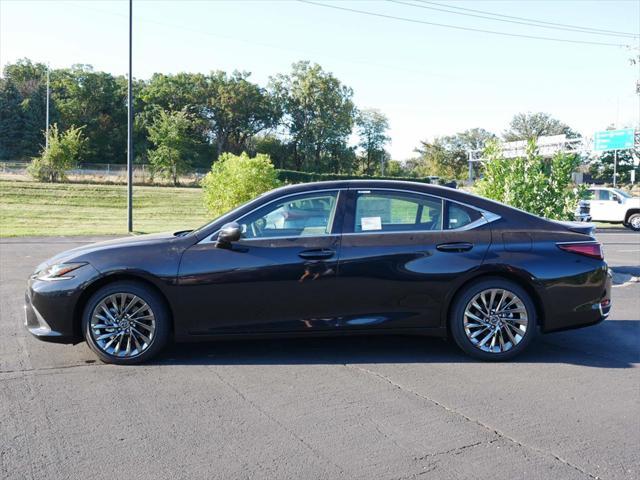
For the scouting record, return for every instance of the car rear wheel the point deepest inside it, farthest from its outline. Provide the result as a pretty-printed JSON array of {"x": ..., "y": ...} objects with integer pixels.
[
  {"x": 125, "y": 323},
  {"x": 633, "y": 222},
  {"x": 493, "y": 319}
]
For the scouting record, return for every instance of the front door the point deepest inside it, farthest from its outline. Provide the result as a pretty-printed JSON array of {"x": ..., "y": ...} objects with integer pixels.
[
  {"x": 400, "y": 253},
  {"x": 604, "y": 206},
  {"x": 280, "y": 276}
]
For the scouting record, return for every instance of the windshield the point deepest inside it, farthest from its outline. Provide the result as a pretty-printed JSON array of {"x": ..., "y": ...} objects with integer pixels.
[{"x": 622, "y": 193}]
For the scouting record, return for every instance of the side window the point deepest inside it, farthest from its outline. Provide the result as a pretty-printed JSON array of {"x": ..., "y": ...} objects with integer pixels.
[
  {"x": 604, "y": 195},
  {"x": 301, "y": 216},
  {"x": 459, "y": 216},
  {"x": 396, "y": 212}
]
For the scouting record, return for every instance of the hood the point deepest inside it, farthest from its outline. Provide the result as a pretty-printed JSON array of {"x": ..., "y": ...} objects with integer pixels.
[
  {"x": 70, "y": 255},
  {"x": 632, "y": 202}
]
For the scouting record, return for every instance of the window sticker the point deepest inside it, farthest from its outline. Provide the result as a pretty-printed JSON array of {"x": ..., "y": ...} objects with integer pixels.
[{"x": 371, "y": 223}]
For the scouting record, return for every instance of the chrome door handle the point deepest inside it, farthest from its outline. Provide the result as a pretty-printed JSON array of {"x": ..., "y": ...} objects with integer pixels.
[{"x": 455, "y": 247}]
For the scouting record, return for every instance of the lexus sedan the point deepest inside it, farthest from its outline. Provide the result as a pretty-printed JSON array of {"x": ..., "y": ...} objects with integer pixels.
[{"x": 330, "y": 258}]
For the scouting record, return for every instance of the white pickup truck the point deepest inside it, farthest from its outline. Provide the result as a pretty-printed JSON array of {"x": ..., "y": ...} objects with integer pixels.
[{"x": 614, "y": 206}]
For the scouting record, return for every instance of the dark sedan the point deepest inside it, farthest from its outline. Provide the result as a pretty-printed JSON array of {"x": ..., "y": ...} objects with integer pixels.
[{"x": 346, "y": 257}]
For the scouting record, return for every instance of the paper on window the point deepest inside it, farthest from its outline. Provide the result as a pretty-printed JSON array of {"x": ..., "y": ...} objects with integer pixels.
[{"x": 371, "y": 223}]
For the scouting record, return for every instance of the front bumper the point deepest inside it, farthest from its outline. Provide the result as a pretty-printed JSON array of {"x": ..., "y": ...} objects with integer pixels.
[
  {"x": 38, "y": 326},
  {"x": 50, "y": 306}
]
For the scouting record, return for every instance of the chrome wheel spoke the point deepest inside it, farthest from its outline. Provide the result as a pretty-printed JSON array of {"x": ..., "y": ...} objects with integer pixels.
[
  {"x": 495, "y": 320},
  {"x": 118, "y": 332}
]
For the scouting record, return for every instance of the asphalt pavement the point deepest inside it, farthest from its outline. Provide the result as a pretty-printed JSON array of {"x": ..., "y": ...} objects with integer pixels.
[{"x": 342, "y": 408}]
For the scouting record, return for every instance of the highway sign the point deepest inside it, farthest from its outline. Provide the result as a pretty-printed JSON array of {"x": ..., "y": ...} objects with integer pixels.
[{"x": 613, "y": 140}]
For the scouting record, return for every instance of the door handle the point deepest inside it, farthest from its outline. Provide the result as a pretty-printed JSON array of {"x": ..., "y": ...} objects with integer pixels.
[
  {"x": 317, "y": 254},
  {"x": 455, "y": 247}
]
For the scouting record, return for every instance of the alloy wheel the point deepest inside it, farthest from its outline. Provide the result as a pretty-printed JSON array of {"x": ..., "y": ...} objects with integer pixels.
[
  {"x": 495, "y": 320},
  {"x": 122, "y": 325}
]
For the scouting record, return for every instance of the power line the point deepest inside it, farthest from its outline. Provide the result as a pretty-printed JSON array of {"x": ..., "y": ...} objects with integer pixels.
[
  {"x": 531, "y": 23},
  {"x": 531, "y": 19},
  {"x": 457, "y": 27}
]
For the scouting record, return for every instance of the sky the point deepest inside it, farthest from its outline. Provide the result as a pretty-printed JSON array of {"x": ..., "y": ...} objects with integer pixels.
[{"x": 429, "y": 80}]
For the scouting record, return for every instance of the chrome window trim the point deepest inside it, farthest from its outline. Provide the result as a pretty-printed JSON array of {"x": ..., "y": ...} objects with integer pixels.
[
  {"x": 486, "y": 218},
  {"x": 209, "y": 238}
]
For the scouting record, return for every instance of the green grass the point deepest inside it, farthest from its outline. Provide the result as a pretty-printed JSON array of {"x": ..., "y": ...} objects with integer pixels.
[{"x": 32, "y": 208}]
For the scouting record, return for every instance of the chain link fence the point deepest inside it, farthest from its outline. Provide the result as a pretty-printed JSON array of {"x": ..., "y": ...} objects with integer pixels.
[{"x": 106, "y": 172}]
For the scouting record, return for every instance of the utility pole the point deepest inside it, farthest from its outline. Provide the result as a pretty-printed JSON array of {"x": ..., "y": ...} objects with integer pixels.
[
  {"x": 615, "y": 167},
  {"x": 46, "y": 137},
  {"x": 130, "y": 129}
]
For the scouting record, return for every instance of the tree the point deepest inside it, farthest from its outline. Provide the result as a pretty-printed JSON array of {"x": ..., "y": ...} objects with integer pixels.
[
  {"x": 525, "y": 126},
  {"x": 22, "y": 109},
  {"x": 173, "y": 144},
  {"x": 62, "y": 154},
  {"x": 236, "y": 179},
  {"x": 372, "y": 129},
  {"x": 532, "y": 183},
  {"x": 97, "y": 100},
  {"x": 318, "y": 114},
  {"x": 448, "y": 156},
  {"x": 601, "y": 168}
]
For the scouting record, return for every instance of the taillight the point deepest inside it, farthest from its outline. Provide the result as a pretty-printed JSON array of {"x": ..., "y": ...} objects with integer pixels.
[{"x": 590, "y": 249}]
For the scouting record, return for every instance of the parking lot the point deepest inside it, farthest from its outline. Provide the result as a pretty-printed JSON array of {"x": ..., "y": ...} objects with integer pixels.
[{"x": 353, "y": 408}]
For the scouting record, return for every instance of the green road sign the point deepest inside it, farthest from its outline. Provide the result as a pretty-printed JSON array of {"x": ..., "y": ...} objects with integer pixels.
[{"x": 613, "y": 139}]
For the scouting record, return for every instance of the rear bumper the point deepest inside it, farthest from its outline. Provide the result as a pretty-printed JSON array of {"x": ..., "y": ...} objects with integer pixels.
[{"x": 593, "y": 309}]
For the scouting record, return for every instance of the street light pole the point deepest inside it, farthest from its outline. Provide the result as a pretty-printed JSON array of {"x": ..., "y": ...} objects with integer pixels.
[
  {"x": 46, "y": 136},
  {"x": 130, "y": 129}
]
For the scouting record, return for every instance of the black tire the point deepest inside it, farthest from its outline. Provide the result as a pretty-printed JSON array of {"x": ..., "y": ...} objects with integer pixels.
[
  {"x": 155, "y": 303},
  {"x": 464, "y": 297},
  {"x": 634, "y": 219}
]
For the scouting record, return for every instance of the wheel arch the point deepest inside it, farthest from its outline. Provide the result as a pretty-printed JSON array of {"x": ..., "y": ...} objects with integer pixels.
[
  {"x": 100, "y": 282},
  {"x": 517, "y": 278},
  {"x": 630, "y": 212}
]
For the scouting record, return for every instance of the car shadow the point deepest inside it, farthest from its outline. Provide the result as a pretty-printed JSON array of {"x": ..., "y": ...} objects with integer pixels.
[{"x": 612, "y": 344}]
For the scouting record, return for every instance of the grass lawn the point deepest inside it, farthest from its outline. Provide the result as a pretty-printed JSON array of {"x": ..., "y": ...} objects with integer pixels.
[{"x": 32, "y": 208}]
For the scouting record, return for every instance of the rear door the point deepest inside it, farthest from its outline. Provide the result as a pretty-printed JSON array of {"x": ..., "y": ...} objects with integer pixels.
[{"x": 401, "y": 253}]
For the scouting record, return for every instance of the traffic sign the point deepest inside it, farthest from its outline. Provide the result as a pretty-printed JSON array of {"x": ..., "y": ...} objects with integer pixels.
[{"x": 613, "y": 139}]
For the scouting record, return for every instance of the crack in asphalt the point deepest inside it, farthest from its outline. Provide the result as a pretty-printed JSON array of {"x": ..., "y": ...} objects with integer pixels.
[
  {"x": 478, "y": 422},
  {"x": 266, "y": 414}
]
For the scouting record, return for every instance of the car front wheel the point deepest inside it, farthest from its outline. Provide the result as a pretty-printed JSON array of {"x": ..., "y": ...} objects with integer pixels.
[
  {"x": 125, "y": 323},
  {"x": 633, "y": 222},
  {"x": 493, "y": 319}
]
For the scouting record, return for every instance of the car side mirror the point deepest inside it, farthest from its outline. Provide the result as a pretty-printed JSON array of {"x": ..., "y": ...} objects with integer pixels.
[
  {"x": 229, "y": 233},
  {"x": 618, "y": 199}
]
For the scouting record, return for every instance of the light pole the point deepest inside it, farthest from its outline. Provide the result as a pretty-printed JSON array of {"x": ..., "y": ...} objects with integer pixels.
[
  {"x": 130, "y": 129},
  {"x": 46, "y": 136}
]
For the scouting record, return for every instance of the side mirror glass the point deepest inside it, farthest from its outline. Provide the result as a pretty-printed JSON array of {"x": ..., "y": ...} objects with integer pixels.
[{"x": 229, "y": 233}]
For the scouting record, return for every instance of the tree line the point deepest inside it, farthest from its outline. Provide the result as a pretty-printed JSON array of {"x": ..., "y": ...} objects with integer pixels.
[{"x": 303, "y": 120}]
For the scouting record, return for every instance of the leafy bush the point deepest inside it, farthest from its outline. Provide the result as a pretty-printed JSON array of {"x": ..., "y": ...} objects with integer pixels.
[
  {"x": 293, "y": 176},
  {"x": 532, "y": 183},
  {"x": 235, "y": 179},
  {"x": 62, "y": 155}
]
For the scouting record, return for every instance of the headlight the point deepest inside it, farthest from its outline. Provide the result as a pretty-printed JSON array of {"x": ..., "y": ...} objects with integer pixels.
[{"x": 59, "y": 271}]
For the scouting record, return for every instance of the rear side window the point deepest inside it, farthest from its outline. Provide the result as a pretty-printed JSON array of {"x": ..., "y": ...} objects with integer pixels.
[
  {"x": 459, "y": 216},
  {"x": 396, "y": 212}
]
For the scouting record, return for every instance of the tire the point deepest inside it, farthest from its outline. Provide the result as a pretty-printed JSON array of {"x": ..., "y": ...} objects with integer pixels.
[
  {"x": 126, "y": 323},
  {"x": 633, "y": 222},
  {"x": 519, "y": 316}
]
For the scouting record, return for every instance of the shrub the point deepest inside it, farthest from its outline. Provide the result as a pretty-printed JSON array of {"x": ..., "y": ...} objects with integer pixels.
[
  {"x": 236, "y": 179},
  {"x": 62, "y": 155},
  {"x": 170, "y": 134},
  {"x": 532, "y": 183}
]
